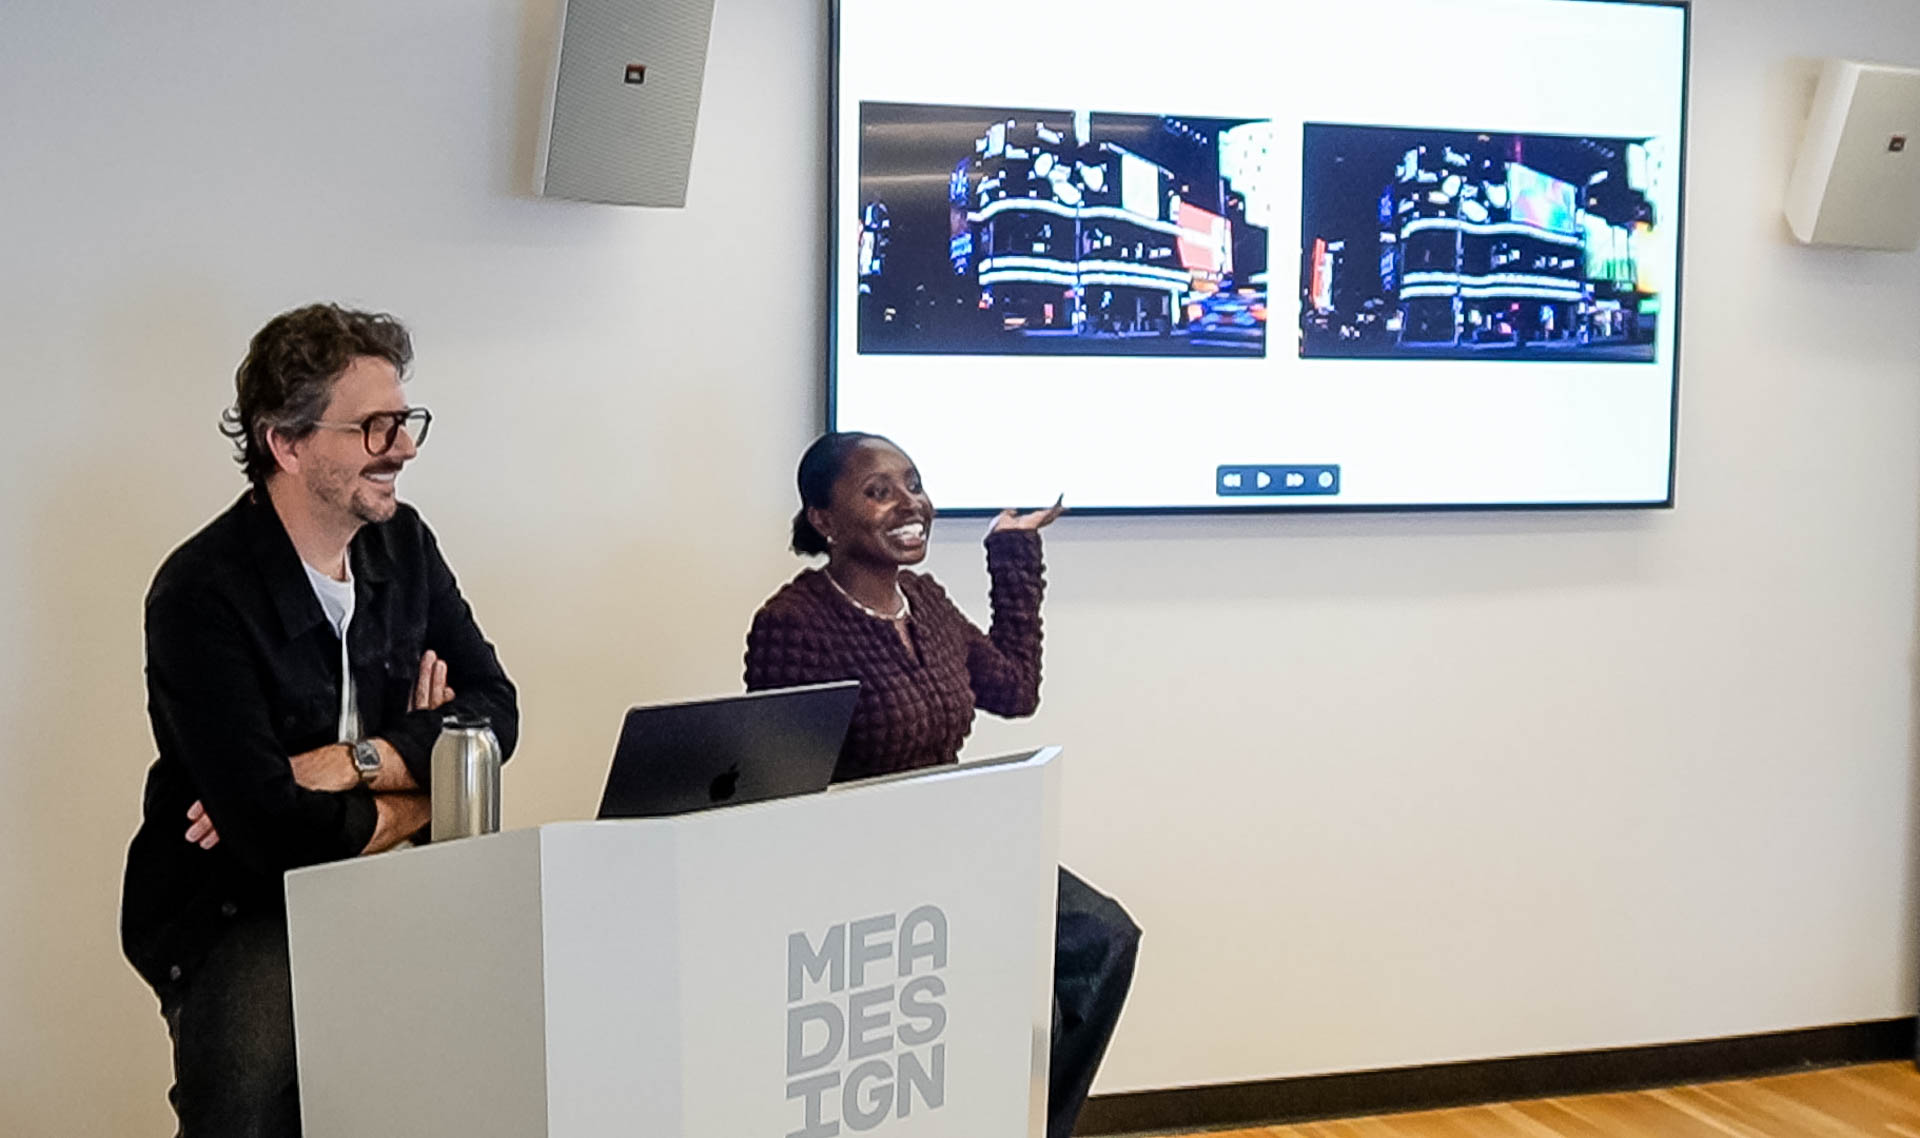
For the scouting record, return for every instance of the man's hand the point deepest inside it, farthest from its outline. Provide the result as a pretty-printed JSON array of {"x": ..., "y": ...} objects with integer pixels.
[
  {"x": 430, "y": 690},
  {"x": 200, "y": 829}
]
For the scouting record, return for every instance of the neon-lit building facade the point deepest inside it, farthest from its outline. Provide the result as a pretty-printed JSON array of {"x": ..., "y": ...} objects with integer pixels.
[
  {"x": 1087, "y": 236},
  {"x": 1065, "y": 231},
  {"x": 1457, "y": 243}
]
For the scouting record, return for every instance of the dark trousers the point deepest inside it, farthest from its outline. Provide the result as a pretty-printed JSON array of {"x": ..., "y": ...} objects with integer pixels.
[
  {"x": 232, "y": 1026},
  {"x": 1095, "y": 943}
]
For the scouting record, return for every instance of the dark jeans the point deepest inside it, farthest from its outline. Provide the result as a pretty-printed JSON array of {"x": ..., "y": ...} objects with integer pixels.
[
  {"x": 1094, "y": 946},
  {"x": 232, "y": 1026}
]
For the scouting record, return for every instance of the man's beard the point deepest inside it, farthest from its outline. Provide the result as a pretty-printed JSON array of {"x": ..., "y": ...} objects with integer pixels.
[
  {"x": 372, "y": 510},
  {"x": 344, "y": 491}
]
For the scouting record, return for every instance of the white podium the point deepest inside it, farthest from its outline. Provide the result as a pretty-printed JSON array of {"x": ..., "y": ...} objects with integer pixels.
[{"x": 876, "y": 959}]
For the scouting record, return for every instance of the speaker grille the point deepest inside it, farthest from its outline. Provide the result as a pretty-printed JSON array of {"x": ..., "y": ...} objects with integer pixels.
[{"x": 613, "y": 139}]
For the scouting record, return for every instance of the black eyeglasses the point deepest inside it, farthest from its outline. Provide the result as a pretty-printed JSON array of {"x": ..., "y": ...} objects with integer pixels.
[{"x": 381, "y": 428}]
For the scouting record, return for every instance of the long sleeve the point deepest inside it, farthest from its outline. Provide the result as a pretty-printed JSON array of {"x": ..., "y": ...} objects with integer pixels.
[
  {"x": 1004, "y": 664},
  {"x": 210, "y": 710},
  {"x": 480, "y": 684}
]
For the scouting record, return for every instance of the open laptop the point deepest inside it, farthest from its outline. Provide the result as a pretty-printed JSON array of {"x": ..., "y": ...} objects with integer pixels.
[{"x": 680, "y": 757}]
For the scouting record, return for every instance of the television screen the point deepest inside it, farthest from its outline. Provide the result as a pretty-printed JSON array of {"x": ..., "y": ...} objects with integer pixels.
[{"x": 1406, "y": 254}]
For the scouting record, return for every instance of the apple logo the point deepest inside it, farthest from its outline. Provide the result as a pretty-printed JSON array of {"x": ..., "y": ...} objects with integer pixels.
[{"x": 724, "y": 784}]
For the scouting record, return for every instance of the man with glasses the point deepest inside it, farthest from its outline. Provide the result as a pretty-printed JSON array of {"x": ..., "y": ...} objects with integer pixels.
[{"x": 301, "y": 651}]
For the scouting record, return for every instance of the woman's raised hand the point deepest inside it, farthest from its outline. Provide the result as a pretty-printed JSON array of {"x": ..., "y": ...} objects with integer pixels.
[{"x": 1038, "y": 519}]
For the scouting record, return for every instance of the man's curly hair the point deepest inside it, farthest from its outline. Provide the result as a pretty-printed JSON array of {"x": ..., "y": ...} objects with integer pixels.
[{"x": 286, "y": 380}]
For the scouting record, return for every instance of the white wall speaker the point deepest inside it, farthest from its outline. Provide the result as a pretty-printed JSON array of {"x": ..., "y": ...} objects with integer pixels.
[
  {"x": 624, "y": 98},
  {"x": 1857, "y": 180}
]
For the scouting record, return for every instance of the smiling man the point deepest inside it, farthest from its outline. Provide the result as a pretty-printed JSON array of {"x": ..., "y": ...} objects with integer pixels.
[{"x": 301, "y": 651}]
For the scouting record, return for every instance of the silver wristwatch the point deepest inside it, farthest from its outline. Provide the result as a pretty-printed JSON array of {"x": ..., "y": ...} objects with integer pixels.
[{"x": 366, "y": 760}]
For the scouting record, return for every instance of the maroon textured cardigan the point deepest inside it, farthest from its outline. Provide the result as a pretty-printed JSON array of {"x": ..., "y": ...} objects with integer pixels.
[{"x": 911, "y": 712}]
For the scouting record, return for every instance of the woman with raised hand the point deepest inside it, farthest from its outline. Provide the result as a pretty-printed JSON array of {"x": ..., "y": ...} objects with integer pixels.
[{"x": 923, "y": 668}]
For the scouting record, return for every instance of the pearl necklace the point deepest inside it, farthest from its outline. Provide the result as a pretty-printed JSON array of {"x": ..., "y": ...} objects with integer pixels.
[{"x": 905, "y": 608}]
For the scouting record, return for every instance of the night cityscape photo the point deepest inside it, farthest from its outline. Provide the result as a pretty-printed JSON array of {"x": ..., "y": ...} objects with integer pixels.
[
  {"x": 1429, "y": 244},
  {"x": 996, "y": 230}
]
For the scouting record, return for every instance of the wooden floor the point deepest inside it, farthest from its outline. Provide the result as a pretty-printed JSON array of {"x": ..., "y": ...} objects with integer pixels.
[{"x": 1880, "y": 1100}]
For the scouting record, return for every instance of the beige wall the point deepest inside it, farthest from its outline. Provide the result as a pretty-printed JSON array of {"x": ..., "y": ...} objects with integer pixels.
[{"x": 1384, "y": 789}]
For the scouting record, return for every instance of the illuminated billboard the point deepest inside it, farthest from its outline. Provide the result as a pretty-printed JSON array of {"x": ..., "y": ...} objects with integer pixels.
[
  {"x": 1543, "y": 201},
  {"x": 1205, "y": 242}
]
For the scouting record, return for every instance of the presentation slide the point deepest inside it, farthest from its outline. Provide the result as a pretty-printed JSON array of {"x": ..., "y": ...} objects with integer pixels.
[{"x": 1402, "y": 254}]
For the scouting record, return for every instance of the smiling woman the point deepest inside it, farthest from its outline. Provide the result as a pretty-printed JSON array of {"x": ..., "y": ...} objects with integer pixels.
[{"x": 923, "y": 668}]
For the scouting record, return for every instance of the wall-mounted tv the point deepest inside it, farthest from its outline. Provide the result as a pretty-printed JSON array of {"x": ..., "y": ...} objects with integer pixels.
[{"x": 1396, "y": 255}]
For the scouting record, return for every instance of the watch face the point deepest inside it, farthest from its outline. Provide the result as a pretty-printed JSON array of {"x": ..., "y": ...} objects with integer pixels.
[{"x": 366, "y": 757}]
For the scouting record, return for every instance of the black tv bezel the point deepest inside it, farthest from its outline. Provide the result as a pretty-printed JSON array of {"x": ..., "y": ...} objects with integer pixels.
[{"x": 1300, "y": 505}]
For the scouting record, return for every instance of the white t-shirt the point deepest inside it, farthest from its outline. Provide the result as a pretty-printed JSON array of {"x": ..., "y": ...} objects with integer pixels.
[{"x": 336, "y": 600}]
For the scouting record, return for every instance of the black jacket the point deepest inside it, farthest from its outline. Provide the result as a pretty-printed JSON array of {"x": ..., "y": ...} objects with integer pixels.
[{"x": 243, "y": 673}]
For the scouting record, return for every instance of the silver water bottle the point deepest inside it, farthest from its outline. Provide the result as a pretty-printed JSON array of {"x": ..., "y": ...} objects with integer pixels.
[{"x": 466, "y": 778}]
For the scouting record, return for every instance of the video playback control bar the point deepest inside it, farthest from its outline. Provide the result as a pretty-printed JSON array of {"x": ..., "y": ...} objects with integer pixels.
[{"x": 1275, "y": 481}]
